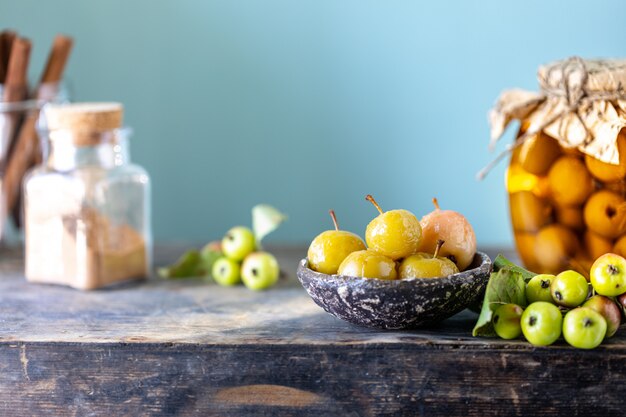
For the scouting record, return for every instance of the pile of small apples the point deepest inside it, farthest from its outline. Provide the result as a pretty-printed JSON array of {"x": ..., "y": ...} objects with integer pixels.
[
  {"x": 241, "y": 262},
  {"x": 592, "y": 312},
  {"x": 398, "y": 246}
]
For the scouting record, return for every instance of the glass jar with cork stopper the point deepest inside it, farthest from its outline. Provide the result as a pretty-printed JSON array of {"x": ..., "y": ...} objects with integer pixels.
[
  {"x": 87, "y": 207},
  {"x": 567, "y": 176}
]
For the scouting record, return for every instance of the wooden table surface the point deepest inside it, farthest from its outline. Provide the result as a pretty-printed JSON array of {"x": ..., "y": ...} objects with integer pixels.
[{"x": 189, "y": 347}]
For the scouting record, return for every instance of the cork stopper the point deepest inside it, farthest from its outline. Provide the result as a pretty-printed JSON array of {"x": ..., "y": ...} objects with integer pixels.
[{"x": 86, "y": 121}]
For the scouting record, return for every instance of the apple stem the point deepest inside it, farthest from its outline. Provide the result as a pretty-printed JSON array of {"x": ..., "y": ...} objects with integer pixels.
[
  {"x": 371, "y": 200},
  {"x": 436, "y": 203},
  {"x": 332, "y": 215},
  {"x": 440, "y": 243}
]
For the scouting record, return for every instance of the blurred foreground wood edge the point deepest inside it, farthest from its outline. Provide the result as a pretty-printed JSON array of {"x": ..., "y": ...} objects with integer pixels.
[{"x": 187, "y": 347}]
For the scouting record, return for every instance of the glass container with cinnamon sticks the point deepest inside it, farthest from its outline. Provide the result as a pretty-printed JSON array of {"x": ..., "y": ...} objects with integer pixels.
[{"x": 19, "y": 110}]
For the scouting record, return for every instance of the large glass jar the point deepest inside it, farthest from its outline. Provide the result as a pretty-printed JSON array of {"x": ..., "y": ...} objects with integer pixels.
[
  {"x": 87, "y": 208},
  {"x": 552, "y": 193},
  {"x": 567, "y": 176}
]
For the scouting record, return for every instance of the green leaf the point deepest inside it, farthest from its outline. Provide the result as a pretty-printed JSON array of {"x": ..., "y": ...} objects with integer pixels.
[
  {"x": 193, "y": 263},
  {"x": 186, "y": 266},
  {"x": 265, "y": 219},
  {"x": 501, "y": 262},
  {"x": 505, "y": 286}
]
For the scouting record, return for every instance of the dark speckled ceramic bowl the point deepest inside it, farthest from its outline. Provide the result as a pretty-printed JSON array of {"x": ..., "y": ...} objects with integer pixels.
[{"x": 397, "y": 304}]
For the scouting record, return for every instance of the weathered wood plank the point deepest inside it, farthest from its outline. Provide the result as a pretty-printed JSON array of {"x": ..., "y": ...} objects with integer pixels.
[{"x": 359, "y": 380}]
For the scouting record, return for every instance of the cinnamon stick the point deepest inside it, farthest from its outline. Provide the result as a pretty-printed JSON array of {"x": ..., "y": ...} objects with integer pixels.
[
  {"x": 6, "y": 41},
  {"x": 14, "y": 90},
  {"x": 17, "y": 67},
  {"x": 59, "y": 55},
  {"x": 27, "y": 150},
  {"x": 52, "y": 73}
]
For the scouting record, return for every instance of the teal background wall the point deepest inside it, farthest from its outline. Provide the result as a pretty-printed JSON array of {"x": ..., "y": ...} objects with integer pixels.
[{"x": 309, "y": 105}]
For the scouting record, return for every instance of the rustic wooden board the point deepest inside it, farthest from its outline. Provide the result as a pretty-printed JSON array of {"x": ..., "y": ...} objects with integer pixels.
[{"x": 187, "y": 347}]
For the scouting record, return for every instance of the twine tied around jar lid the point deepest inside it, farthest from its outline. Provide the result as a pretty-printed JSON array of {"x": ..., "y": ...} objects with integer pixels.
[
  {"x": 88, "y": 123},
  {"x": 582, "y": 104}
]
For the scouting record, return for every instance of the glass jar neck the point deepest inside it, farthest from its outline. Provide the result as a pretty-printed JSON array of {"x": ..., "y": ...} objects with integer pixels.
[{"x": 104, "y": 150}]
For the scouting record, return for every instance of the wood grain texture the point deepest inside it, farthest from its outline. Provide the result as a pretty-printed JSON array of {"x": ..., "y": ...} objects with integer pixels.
[{"x": 191, "y": 348}]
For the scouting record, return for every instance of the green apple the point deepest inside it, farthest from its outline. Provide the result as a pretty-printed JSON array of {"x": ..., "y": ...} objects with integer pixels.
[
  {"x": 569, "y": 289},
  {"x": 608, "y": 309},
  {"x": 584, "y": 328},
  {"x": 238, "y": 243},
  {"x": 260, "y": 270},
  {"x": 538, "y": 288},
  {"x": 226, "y": 272},
  {"x": 506, "y": 321},
  {"x": 541, "y": 323},
  {"x": 608, "y": 275}
]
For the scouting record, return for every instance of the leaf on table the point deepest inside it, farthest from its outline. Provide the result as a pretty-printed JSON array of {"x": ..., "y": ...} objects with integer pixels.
[
  {"x": 265, "y": 219},
  {"x": 502, "y": 262},
  {"x": 193, "y": 263},
  {"x": 188, "y": 265},
  {"x": 505, "y": 286}
]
